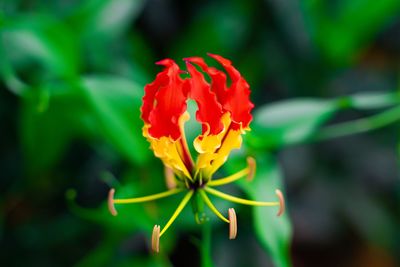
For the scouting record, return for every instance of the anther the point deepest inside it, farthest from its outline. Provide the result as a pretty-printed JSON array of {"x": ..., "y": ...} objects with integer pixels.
[
  {"x": 155, "y": 239},
  {"x": 251, "y": 165},
  {"x": 111, "y": 206},
  {"x": 169, "y": 178},
  {"x": 232, "y": 223},
  {"x": 281, "y": 202}
]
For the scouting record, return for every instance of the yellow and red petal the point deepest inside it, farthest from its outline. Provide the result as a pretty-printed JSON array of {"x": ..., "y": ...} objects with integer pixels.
[
  {"x": 165, "y": 101},
  {"x": 171, "y": 152},
  {"x": 215, "y": 149},
  {"x": 223, "y": 111},
  {"x": 207, "y": 145}
]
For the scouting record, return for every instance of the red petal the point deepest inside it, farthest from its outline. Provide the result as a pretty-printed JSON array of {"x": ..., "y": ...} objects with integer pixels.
[
  {"x": 150, "y": 93},
  {"x": 165, "y": 101},
  {"x": 218, "y": 84},
  {"x": 237, "y": 99},
  {"x": 210, "y": 111}
]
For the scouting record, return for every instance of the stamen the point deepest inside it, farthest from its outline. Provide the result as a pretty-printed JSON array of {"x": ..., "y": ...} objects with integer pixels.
[
  {"x": 178, "y": 210},
  {"x": 169, "y": 178},
  {"x": 230, "y": 178},
  {"x": 239, "y": 200},
  {"x": 249, "y": 171},
  {"x": 155, "y": 239},
  {"x": 281, "y": 202},
  {"x": 149, "y": 198},
  {"x": 251, "y": 164},
  {"x": 211, "y": 206},
  {"x": 111, "y": 206},
  {"x": 232, "y": 223}
]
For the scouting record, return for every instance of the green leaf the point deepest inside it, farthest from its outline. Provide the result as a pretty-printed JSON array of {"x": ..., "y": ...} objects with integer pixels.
[
  {"x": 149, "y": 261},
  {"x": 106, "y": 19},
  {"x": 349, "y": 26},
  {"x": 288, "y": 122},
  {"x": 298, "y": 120},
  {"x": 130, "y": 218},
  {"x": 46, "y": 128},
  {"x": 274, "y": 233},
  {"x": 103, "y": 108},
  {"x": 41, "y": 39},
  {"x": 223, "y": 34},
  {"x": 115, "y": 103},
  {"x": 102, "y": 255},
  {"x": 373, "y": 100}
]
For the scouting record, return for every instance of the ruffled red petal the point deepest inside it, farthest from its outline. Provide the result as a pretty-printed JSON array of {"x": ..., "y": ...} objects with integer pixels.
[
  {"x": 165, "y": 98},
  {"x": 218, "y": 84},
  {"x": 209, "y": 111},
  {"x": 165, "y": 101},
  {"x": 237, "y": 99},
  {"x": 150, "y": 91}
]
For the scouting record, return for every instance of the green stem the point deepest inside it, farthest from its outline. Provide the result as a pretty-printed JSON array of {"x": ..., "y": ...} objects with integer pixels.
[
  {"x": 206, "y": 260},
  {"x": 361, "y": 125}
]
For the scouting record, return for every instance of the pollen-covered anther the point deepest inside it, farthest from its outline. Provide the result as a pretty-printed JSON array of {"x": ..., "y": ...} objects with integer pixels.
[
  {"x": 251, "y": 165},
  {"x": 169, "y": 178},
  {"x": 281, "y": 202},
  {"x": 155, "y": 239},
  {"x": 232, "y": 223},
  {"x": 111, "y": 206}
]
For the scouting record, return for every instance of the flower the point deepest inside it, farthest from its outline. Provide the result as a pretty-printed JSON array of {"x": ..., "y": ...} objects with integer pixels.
[{"x": 224, "y": 112}]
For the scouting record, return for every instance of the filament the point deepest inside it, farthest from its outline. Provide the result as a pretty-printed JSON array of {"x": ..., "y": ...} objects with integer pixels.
[
  {"x": 148, "y": 198},
  {"x": 250, "y": 170},
  {"x": 230, "y": 178},
  {"x": 211, "y": 206},
  {"x": 239, "y": 200},
  {"x": 178, "y": 210}
]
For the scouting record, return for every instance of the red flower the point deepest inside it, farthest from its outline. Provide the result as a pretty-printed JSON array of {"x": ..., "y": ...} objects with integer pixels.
[{"x": 224, "y": 113}]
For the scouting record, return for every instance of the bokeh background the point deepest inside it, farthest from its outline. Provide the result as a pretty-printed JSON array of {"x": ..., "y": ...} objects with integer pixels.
[{"x": 324, "y": 79}]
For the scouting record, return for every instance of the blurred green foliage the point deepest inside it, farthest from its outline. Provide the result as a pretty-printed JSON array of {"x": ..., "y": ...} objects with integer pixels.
[{"x": 75, "y": 72}]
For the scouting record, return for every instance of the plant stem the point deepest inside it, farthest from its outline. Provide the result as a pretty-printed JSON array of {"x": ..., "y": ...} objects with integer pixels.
[
  {"x": 206, "y": 260},
  {"x": 361, "y": 125}
]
